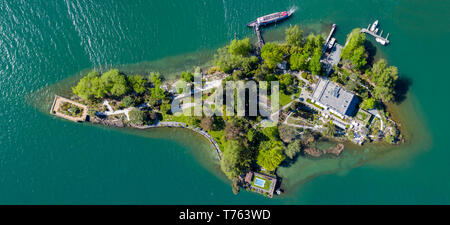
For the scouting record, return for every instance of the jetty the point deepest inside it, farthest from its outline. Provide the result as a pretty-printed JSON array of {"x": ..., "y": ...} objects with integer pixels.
[
  {"x": 258, "y": 34},
  {"x": 378, "y": 37}
]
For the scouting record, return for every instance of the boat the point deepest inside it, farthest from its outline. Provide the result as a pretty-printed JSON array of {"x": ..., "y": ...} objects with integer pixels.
[
  {"x": 374, "y": 25},
  {"x": 381, "y": 41},
  {"x": 271, "y": 18},
  {"x": 331, "y": 43}
]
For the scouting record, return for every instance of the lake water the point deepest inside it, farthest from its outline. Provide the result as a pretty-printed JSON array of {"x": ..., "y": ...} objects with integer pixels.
[{"x": 45, "y": 160}]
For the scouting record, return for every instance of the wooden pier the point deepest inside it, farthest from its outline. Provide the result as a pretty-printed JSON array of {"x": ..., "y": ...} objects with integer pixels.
[
  {"x": 325, "y": 46},
  {"x": 378, "y": 37},
  {"x": 258, "y": 34}
]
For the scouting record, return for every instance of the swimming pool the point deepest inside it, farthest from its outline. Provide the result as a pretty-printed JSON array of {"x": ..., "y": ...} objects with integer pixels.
[{"x": 259, "y": 182}]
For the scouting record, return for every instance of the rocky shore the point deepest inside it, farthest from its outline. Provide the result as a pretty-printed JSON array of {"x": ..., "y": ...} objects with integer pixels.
[{"x": 315, "y": 152}]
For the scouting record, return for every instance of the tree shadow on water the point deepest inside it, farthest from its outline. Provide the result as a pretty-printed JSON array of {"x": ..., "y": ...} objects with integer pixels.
[
  {"x": 402, "y": 87},
  {"x": 371, "y": 52}
]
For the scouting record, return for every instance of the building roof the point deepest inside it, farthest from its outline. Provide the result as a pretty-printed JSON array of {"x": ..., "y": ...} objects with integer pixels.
[{"x": 335, "y": 97}]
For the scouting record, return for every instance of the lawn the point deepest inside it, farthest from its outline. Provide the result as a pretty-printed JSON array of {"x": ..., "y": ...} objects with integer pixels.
[
  {"x": 267, "y": 183},
  {"x": 314, "y": 104}
]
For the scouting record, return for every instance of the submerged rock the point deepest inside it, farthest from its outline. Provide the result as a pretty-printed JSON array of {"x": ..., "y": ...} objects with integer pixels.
[{"x": 315, "y": 152}]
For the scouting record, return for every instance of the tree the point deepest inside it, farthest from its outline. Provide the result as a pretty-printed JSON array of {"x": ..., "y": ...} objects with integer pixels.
[
  {"x": 330, "y": 129},
  {"x": 368, "y": 104},
  {"x": 206, "y": 123},
  {"x": 234, "y": 129},
  {"x": 238, "y": 75},
  {"x": 137, "y": 82},
  {"x": 272, "y": 55},
  {"x": 90, "y": 87},
  {"x": 154, "y": 76},
  {"x": 234, "y": 160},
  {"x": 293, "y": 149},
  {"x": 270, "y": 155},
  {"x": 165, "y": 107},
  {"x": 299, "y": 61},
  {"x": 157, "y": 92},
  {"x": 294, "y": 35},
  {"x": 285, "y": 80},
  {"x": 384, "y": 78},
  {"x": 287, "y": 133},
  {"x": 240, "y": 47},
  {"x": 354, "y": 50},
  {"x": 137, "y": 117},
  {"x": 127, "y": 101},
  {"x": 115, "y": 83},
  {"x": 271, "y": 133},
  {"x": 315, "y": 66},
  {"x": 187, "y": 76}
]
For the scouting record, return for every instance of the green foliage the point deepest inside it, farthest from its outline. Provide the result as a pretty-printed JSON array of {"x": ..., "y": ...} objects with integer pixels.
[
  {"x": 137, "y": 117},
  {"x": 90, "y": 87},
  {"x": 235, "y": 159},
  {"x": 368, "y": 104},
  {"x": 294, "y": 35},
  {"x": 271, "y": 133},
  {"x": 330, "y": 129},
  {"x": 115, "y": 83},
  {"x": 137, "y": 83},
  {"x": 293, "y": 149},
  {"x": 270, "y": 154},
  {"x": 127, "y": 101},
  {"x": 154, "y": 76},
  {"x": 187, "y": 76},
  {"x": 286, "y": 80},
  {"x": 157, "y": 93},
  {"x": 272, "y": 55},
  {"x": 240, "y": 47},
  {"x": 287, "y": 133},
  {"x": 238, "y": 75},
  {"x": 354, "y": 50},
  {"x": 315, "y": 65},
  {"x": 384, "y": 78},
  {"x": 299, "y": 61}
]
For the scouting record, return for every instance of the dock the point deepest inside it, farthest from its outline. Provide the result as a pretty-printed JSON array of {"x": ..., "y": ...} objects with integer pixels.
[
  {"x": 378, "y": 37},
  {"x": 333, "y": 28},
  {"x": 258, "y": 34}
]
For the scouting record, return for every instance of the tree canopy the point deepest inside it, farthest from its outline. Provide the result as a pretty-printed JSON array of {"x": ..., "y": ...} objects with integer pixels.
[
  {"x": 240, "y": 47},
  {"x": 384, "y": 78},
  {"x": 355, "y": 50},
  {"x": 187, "y": 76},
  {"x": 270, "y": 155},
  {"x": 90, "y": 87},
  {"x": 294, "y": 35},
  {"x": 137, "y": 83},
  {"x": 115, "y": 83},
  {"x": 272, "y": 55}
]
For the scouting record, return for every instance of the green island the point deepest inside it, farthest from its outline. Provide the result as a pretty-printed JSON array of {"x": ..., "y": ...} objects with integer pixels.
[{"x": 335, "y": 92}]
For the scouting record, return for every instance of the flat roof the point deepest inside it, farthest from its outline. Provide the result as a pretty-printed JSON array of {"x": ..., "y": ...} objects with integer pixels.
[{"x": 335, "y": 97}]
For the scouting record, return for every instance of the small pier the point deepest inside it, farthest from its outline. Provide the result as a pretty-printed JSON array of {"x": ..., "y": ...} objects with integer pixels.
[
  {"x": 258, "y": 34},
  {"x": 333, "y": 28},
  {"x": 378, "y": 37}
]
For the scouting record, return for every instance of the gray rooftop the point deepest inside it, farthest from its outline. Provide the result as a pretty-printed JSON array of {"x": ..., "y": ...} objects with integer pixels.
[{"x": 335, "y": 97}]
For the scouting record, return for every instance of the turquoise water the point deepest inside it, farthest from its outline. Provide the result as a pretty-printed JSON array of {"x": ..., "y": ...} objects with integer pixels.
[{"x": 45, "y": 160}]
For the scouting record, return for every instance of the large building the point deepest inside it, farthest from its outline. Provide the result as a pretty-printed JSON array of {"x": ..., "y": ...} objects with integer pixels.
[{"x": 335, "y": 98}]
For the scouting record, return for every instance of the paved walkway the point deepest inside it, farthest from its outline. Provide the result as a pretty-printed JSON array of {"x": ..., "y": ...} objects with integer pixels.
[{"x": 112, "y": 112}]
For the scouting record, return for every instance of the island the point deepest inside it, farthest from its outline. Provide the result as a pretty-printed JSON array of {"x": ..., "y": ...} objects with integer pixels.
[{"x": 325, "y": 90}]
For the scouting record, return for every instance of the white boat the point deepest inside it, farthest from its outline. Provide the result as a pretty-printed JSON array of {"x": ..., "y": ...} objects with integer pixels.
[
  {"x": 374, "y": 25},
  {"x": 331, "y": 43},
  {"x": 376, "y": 31},
  {"x": 381, "y": 41}
]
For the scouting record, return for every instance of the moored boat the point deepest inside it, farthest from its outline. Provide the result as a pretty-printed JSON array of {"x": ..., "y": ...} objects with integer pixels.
[
  {"x": 271, "y": 18},
  {"x": 374, "y": 25}
]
